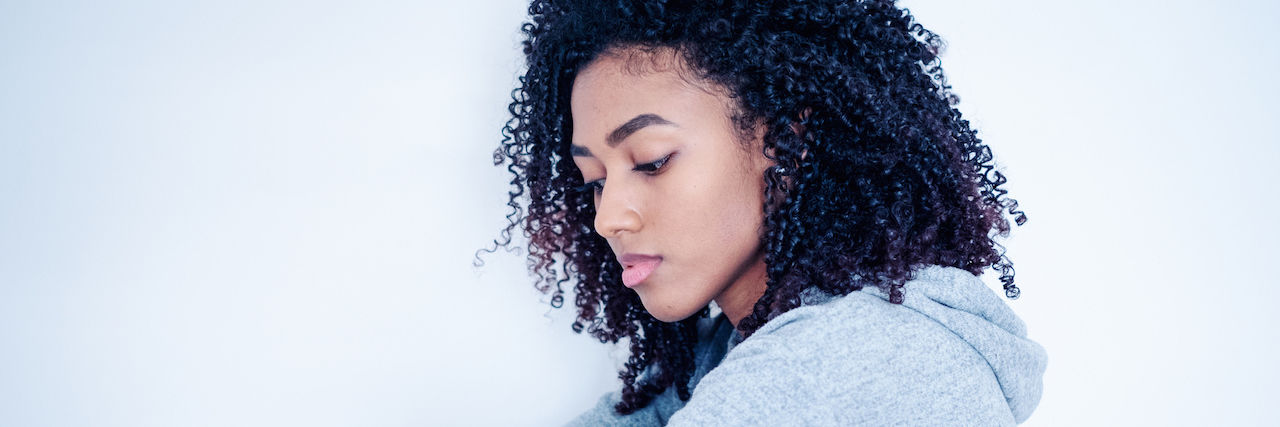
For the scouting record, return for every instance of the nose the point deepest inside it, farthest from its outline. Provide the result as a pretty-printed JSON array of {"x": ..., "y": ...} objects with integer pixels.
[{"x": 615, "y": 212}]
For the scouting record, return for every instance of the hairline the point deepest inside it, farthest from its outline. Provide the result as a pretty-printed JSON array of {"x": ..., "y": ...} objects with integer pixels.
[{"x": 640, "y": 58}]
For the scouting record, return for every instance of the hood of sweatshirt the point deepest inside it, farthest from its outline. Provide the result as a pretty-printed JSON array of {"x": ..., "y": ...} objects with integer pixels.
[{"x": 964, "y": 304}]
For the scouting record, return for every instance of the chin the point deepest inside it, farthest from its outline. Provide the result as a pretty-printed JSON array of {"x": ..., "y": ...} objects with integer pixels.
[{"x": 671, "y": 314}]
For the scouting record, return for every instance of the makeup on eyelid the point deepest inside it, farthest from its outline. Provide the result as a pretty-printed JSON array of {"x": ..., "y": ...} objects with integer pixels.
[{"x": 650, "y": 168}]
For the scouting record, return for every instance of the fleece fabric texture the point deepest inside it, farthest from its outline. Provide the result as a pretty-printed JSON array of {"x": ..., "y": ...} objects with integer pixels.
[{"x": 952, "y": 354}]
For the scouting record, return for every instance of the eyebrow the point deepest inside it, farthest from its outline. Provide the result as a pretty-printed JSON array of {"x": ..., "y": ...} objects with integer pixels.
[{"x": 622, "y": 132}]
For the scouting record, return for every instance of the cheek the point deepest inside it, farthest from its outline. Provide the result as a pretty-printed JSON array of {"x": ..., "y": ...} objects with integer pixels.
[
  {"x": 742, "y": 210},
  {"x": 722, "y": 211}
]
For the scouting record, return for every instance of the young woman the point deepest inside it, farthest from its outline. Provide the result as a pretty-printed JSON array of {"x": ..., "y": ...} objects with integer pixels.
[{"x": 801, "y": 165}]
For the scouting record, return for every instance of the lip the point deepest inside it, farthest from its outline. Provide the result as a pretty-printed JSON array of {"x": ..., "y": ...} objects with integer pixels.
[{"x": 637, "y": 267}]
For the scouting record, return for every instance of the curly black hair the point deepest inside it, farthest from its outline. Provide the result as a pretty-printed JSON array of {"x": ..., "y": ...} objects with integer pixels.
[{"x": 876, "y": 174}]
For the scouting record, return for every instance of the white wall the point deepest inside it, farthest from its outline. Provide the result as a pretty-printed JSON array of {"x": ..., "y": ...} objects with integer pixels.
[{"x": 264, "y": 213}]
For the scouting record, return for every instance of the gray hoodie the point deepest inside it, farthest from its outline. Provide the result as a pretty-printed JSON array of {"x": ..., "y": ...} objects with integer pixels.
[{"x": 953, "y": 353}]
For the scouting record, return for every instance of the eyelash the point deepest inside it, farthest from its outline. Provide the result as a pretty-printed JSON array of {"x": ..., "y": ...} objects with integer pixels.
[{"x": 651, "y": 168}]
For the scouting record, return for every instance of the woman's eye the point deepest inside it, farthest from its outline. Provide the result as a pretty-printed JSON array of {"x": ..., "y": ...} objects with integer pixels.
[{"x": 652, "y": 166}]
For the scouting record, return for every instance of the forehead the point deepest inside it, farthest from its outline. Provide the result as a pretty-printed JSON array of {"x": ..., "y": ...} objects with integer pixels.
[
  {"x": 619, "y": 86},
  {"x": 633, "y": 72}
]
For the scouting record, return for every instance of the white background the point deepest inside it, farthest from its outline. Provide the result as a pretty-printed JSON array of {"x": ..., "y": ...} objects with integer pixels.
[{"x": 264, "y": 213}]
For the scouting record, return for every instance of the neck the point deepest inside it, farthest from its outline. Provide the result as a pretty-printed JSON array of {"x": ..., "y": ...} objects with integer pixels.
[{"x": 739, "y": 299}]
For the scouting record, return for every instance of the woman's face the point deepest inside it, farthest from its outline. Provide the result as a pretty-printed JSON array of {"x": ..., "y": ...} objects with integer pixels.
[{"x": 679, "y": 195}]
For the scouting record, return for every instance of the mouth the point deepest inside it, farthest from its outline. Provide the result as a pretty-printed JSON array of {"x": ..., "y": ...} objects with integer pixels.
[{"x": 636, "y": 268}]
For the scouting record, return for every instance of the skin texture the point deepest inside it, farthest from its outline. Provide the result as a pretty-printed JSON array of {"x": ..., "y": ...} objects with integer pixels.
[{"x": 685, "y": 188}]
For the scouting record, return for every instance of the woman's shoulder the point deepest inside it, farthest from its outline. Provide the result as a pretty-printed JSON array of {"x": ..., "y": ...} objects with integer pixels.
[
  {"x": 938, "y": 301},
  {"x": 858, "y": 358},
  {"x": 861, "y": 343}
]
